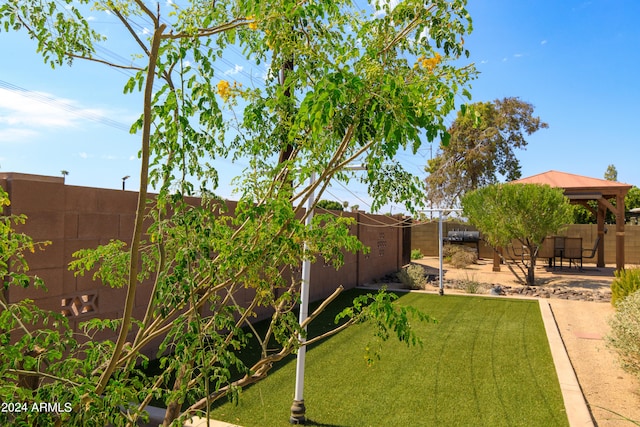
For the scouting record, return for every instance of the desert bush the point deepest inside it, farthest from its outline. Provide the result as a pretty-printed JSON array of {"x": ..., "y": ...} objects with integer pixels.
[
  {"x": 416, "y": 254},
  {"x": 463, "y": 257},
  {"x": 412, "y": 277},
  {"x": 471, "y": 285},
  {"x": 448, "y": 251},
  {"x": 625, "y": 283},
  {"x": 625, "y": 332}
]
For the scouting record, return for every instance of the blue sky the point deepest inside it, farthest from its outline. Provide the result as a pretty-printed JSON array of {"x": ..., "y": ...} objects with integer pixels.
[{"x": 575, "y": 61}]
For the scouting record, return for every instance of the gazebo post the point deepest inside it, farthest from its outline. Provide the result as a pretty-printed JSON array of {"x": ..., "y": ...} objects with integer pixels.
[
  {"x": 496, "y": 259},
  {"x": 619, "y": 231},
  {"x": 600, "y": 214}
]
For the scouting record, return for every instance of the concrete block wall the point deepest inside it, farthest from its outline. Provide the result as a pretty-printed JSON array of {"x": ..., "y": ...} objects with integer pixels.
[
  {"x": 71, "y": 218},
  {"x": 382, "y": 234},
  {"x": 424, "y": 236},
  {"x": 75, "y": 218}
]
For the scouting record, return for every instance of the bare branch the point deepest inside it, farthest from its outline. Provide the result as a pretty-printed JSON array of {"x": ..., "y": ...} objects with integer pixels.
[
  {"x": 101, "y": 61},
  {"x": 131, "y": 30},
  {"x": 206, "y": 32}
]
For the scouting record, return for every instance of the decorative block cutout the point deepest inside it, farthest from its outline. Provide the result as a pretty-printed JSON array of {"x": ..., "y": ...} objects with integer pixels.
[
  {"x": 79, "y": 305},
  {"x": 382, "y": 244}
]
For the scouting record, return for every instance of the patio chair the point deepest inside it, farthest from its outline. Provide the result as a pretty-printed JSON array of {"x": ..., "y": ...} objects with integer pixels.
[
  {"x": 547, "y": 250},
  {"x": 573, "y": 251},
  {"x": 590, "y": 253},
  {"x": 517, "y": 251}
]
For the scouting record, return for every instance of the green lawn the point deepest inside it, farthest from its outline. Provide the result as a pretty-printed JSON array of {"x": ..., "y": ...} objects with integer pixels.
[{"x": 485, "y": 363}]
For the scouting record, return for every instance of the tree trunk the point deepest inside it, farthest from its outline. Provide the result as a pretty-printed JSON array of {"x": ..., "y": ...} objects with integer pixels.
[
  {"x": 174, "y": 407},
  {"x": 140, "y": 209},
  {"x": 531, "y": 271}
]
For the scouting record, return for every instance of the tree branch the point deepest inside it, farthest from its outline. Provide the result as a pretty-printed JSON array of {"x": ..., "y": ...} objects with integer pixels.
[
  {"x": 131, "y": 30},
  {"x": 142, "y": 201},
  {"x": 206, "y": 32},
  {"x": 44, "y": 375}
]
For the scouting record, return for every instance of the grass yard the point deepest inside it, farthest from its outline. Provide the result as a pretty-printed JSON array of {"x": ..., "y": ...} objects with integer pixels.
[{"x": 485, "y": 363}]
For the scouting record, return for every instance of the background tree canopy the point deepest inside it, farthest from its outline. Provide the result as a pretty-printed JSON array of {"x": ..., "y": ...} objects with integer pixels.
[
  {"x": 330, "y": 205},
  {"x": 484, "y": 137}
]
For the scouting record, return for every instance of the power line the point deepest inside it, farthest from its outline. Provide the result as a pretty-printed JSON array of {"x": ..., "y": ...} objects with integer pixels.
[
  {"x": 377, "y": 223},
  {"x": 392, "y": 206}
]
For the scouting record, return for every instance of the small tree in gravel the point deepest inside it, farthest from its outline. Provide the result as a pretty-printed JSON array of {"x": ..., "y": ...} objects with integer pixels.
[{"x": 523, "y": 212}]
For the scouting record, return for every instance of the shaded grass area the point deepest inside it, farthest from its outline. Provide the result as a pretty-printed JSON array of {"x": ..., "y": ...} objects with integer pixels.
[{"x": 485, "y": 363}]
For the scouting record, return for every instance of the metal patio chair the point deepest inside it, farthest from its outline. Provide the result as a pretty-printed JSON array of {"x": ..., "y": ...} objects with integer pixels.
[
  {"x": 573, "y": 251},
  {"x": 590, "y": 253}
]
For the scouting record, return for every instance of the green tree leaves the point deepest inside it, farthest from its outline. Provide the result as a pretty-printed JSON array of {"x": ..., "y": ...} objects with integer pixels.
[
  {"x": 523, "y": 212},
  {"x": 483, "y": 139},
  {"x": 339, "y": 85}
]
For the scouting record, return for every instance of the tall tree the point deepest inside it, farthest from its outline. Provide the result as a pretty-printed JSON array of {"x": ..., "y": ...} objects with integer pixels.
[
  {"x": 611, "y": 174},
  {"x": 482, "y": 147},
  {"x": 340, "y": 85},
  {"x": 526, "y": 213}
]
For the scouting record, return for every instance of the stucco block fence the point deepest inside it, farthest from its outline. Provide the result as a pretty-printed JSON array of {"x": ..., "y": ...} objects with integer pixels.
[
  {"x": 424, "y": 236},
  {"x": 74, "y": 218}
]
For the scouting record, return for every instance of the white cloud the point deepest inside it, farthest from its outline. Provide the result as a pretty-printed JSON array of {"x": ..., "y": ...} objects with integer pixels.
[
  {"x": 425, "y": 34},
  {"x": 26, "y": 114},
  {"x": 543, "y": 42},
  {"x": 236, "y": 69},
  {"x": 36, "y": 110},
  {"x": 518, "y": 55},
  {"x": 16, "y": 135},
  {"x": 83, "y": 155},
  {"x": 391, "y": 4}
]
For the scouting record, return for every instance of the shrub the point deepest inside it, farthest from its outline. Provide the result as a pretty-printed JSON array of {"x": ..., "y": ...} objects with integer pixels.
[
  {"x": 625, "y": 283},
  {"x": 463, "y": 257},
  {"x": 625, "y": 332},
  {"x": 471, "y": 285},
  {"x": 416, "y": 254},
  {"x": 412, "y": 277},
  {"x": 448, "y": 251}
]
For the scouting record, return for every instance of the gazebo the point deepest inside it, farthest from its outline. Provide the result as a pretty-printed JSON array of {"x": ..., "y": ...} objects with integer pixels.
[{"x": 580, "y": 189}]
